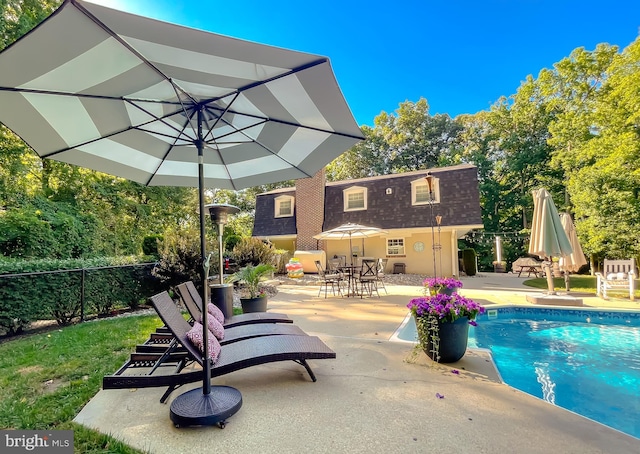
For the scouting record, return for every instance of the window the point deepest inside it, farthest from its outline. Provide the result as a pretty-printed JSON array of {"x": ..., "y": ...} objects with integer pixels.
[
  {"x": 420, "y": 191},
  {"x": 355, "y": 198},
  {"x": 284, "y": 206},
  {"x": 395, "y": 246}
]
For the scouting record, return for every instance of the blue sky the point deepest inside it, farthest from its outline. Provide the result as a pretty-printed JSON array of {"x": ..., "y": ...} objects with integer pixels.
[{"x": 460, "y": 55}]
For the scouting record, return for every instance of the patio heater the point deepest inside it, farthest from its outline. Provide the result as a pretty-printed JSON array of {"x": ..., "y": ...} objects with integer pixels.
[
  {"x": 430, "y": 179},
  {"x": 221, "y": 293}
]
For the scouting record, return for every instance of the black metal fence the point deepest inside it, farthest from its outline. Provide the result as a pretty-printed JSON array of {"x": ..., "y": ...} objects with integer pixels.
[{"x": 72, "y": 295}]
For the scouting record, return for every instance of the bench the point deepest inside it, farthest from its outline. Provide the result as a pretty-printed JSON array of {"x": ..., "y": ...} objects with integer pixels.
[
  {"x": 527, "y": 265},
  {"x": 617, "y": 276}
]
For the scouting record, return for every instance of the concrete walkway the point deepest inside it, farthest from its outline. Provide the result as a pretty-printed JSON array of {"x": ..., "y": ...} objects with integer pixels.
[{"x": 377, "y": 396}]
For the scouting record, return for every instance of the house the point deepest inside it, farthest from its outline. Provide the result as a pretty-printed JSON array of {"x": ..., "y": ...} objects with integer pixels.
[{"x": 402, "y": 204}]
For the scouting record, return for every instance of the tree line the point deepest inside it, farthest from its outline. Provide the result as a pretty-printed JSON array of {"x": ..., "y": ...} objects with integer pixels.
[{"x": 573, "y": 129}]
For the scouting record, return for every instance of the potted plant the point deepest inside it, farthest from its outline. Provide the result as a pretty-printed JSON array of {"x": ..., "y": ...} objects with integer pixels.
[
  {"x": 252, "y": 297},
  {"x": 442, "y": 322},
  {"x": 435, "y": 285}
]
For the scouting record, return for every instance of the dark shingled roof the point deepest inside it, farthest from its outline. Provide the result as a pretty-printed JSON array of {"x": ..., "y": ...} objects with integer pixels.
[
  {"x": 265, "y": 223},
  {"x": 459, "y": 203}
]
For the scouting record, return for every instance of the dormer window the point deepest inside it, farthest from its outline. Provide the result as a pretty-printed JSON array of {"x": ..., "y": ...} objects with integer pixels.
[
  {"x": 355, "y": 198},
  {"x": 420, "y": 194},
  {"x": 284, "y": 205}
]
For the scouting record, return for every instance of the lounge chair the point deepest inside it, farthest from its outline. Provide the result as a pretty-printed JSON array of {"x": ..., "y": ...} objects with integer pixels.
[
  {"x": 235, "y": 356},
  {"x": 161, "y": 342},
  {"x": 193, "y": 302}
]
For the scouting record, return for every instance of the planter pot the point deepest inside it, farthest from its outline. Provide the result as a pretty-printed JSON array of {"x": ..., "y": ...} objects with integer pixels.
[
  {"x": 453, "y": 341},
  {"x": 447, "y": 290},
  {"x": 258, "y": 304}
]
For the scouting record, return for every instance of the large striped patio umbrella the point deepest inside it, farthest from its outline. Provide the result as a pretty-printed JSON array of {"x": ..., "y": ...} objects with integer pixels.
[{"x": 161, "y": 104}]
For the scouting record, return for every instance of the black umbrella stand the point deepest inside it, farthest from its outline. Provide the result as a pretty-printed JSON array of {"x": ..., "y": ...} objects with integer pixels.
[{"x": 208, "y": 405}]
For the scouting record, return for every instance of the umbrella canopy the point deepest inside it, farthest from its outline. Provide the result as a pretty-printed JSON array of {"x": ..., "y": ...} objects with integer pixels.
[
  {"x": 548, "y": 238},
  {"x": 350, "y": 231},
  {"x": 162, "y": 104},
  {"x": 128, "y": 95},
  {"x": 574, "y": 261}
]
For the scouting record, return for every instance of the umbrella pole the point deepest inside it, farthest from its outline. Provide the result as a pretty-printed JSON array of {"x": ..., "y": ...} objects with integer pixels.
[
  {"x": 549, "y": 273},
  {"x": 200, "y": 407}
]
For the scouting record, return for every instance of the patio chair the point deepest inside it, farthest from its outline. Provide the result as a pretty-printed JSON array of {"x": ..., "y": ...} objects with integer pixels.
[
  {"x": 234, "y": 356},
  {"x": 334, "y": 280},
  {"x": 368, "y": 279},
  {"x": 193, "y": 302},
  {"x": 617, "y": 276},
  {"x": 382, "y": 263},
  {"x": 161, "y": 342}
]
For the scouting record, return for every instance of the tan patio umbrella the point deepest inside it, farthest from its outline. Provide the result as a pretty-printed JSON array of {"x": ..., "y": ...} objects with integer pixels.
[
  {"x": 548, "y": 237},
  {"x": 350, "y": 230},
  {"x": 166, "y": 105},
  {"x": 574, "y": 261}
]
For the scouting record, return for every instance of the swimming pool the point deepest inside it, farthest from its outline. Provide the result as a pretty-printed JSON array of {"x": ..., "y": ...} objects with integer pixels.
[{"x": 587, "y": 361}]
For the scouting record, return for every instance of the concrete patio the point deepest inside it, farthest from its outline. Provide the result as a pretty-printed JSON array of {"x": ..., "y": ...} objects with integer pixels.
[{"x": 377, "y": 396}]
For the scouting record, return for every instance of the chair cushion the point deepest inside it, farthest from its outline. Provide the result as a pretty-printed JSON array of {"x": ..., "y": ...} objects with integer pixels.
[
  {"x": 215, "y": 327},
  {"x": 216, "y": 312},
  {"x": 616, "y": 276},
  {"x": 196, "y": 336}
]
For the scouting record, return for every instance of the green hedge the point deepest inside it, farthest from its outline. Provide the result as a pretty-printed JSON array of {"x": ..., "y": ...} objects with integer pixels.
[{"x": 53, "y": 289}]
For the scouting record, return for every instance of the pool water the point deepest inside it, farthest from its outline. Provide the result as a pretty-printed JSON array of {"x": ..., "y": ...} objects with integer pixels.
[{"x": 585, "y": 361}]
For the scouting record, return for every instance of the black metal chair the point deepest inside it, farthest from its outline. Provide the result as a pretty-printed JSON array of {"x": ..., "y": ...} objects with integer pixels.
[
  {"x": 334, "y": 280},
  {"x": 368, "y": 279},
  {"x": 382, "y": 263}
]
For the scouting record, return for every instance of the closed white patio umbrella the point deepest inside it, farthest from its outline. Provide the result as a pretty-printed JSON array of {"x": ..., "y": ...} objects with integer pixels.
[
  {"x": 548, "y": 237},
  {"x": 166, "y": 105},
  {"x": 571, "y": 263}
]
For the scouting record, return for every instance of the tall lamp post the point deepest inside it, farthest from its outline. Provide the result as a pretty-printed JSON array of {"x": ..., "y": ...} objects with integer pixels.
[
  {"x": 430, "y": 183},
  {"x": 221, "y": 293},
  {"x": 439, "y": 245}
]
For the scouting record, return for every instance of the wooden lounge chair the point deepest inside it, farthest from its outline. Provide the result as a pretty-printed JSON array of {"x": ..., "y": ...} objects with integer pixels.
[
  {"x": 234, "y": 356},
  {"x": 193, "y": 302}
]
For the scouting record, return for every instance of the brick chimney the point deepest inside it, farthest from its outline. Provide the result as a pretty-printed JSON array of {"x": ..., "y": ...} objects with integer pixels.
[{"x": 309, "y": 210}]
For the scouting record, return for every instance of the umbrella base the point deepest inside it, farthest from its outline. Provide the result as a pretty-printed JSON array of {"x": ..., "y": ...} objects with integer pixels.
[
  {"x": 194, "y": 408},
  {"x": 555, "y": 300}
]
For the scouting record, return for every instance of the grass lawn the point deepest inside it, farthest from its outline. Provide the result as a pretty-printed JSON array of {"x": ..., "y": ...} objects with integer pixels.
[
  {"x": 579, "y": 284},
  {"x": 47, "y": 378}
]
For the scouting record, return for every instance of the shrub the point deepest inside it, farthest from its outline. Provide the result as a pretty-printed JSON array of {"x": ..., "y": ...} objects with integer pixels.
[
  {"x": 469, "y": 261},
  {"x": 150, "y": 244},
  {"x": 253, "y": 251},
  {"x": 180, "y": 258}
]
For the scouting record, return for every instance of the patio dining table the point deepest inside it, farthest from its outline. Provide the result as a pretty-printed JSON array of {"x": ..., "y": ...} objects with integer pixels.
[{"x": 350, "y": 271}]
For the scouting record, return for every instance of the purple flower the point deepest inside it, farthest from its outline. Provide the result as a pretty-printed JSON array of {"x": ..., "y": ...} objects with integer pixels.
[
  {"x": 441, "y": 282},
  {"x": 443, "y": 307}
]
